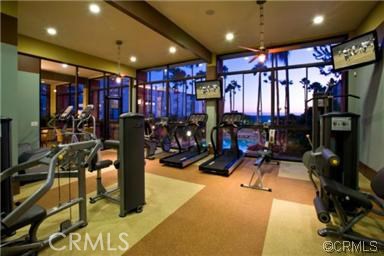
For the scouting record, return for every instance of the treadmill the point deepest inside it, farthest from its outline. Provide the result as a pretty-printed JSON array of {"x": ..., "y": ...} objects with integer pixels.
[
  {"x": 226, "y": 161},
  {"x": 193, "y": 128}
]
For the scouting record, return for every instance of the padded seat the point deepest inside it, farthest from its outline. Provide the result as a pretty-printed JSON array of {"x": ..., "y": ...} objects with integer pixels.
[
  {"x": 34, "y": 215},
  {"x": 338, "y": 189},
  {"x": 102, "y": 164}
]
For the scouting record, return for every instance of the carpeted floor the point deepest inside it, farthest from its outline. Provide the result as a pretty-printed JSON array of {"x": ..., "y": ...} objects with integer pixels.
[{"x": 217, "y": 217}]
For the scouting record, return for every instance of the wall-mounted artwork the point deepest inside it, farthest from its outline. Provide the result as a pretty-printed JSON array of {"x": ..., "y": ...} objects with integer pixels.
[
  {"x": 208, "y": 90},
  {"x": 356, "y": 52}
]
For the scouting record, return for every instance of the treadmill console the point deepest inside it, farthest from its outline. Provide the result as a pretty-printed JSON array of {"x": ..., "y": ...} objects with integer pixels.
[
  {"x": 232, "y": 118},
  {"x": 87, "y": 111},
  {"x": 67, "y": 113},
  {"x": 198, "y": 118}
]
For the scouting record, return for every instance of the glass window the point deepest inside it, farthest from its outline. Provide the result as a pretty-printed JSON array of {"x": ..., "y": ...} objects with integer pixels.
[
  {"x": 156, "y": 74},
  {"x": 44, "y": 104},
  {"x": 200, "y": 70},
  {"x": 233, "y": 91},
  {"x": 176, "y": 88},
  {"x": 242, "y": 63},
  {"x": 125, "y": 99},
  {"x": 159, "y": 100}
]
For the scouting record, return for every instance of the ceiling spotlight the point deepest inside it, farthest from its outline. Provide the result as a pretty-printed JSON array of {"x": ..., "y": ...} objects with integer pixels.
[
  {"x": 133, "y": 59},
  {"x": 172, "y": 49},
  {"x": 318, "y": 19},
  {"x": 229, "y": 36},
  {"x": 94, "y": 8},
  {"x": 51, "y": 31},
  {"x": 64, "y": 65}
]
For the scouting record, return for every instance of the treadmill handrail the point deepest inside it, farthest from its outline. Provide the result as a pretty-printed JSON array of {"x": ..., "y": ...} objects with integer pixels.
[{"x": 213, "y": 141}]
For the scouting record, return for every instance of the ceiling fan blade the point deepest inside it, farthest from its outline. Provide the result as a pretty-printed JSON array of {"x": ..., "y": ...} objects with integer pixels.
[
  {"x": 279, "y": 49},
  {"x": 249, "y": 49},
  {"x": 253, "y": 59}
]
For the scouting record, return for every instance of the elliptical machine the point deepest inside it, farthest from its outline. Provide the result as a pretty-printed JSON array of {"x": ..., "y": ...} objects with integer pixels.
[{"x": 156, "y": 134}]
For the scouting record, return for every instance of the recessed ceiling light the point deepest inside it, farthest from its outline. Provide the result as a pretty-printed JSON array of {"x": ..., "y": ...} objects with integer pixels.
[
  {"x": 229, "y": 36},
  {"x": 51, "y": 31},
  {"x": 64, "y": 65},
  {"x": 94, "y": 8},
  {"x": 172, "y": 49},
  {"x": 133, "y": 59},
  {"x": 318, "y": 19}
]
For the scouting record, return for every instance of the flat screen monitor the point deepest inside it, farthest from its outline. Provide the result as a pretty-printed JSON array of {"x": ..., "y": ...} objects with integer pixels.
[
  {"x": 209, "y": 90},
  {"x": 356, "y": 52}
]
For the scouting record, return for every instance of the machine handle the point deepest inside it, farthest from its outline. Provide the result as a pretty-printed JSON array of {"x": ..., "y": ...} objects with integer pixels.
[{"x": 331, "y": 158}]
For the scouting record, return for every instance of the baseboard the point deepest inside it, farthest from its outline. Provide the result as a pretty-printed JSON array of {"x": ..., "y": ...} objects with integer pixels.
[{"x": 367, "y": 171}]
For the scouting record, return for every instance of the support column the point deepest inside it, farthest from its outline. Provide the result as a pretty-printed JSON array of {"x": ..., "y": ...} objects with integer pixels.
[
  {"x": 8, "y": 67},
  {"x": 211, "y": 105}
]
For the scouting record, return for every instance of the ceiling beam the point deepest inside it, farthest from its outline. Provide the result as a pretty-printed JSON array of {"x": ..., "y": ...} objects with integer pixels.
[{"x": 144, "y": 13}]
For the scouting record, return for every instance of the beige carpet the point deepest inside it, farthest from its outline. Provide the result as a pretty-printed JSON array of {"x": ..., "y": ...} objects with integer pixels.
[
  {"x": 293, "y": 170},
  {"x": 163, "y": 196},
  {"x": 292, "y": 230}
]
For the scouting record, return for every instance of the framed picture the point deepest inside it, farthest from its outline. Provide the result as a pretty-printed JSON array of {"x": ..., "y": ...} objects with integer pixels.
[
  {"x": 209, "y": 90},
  {"x": 356, "y": 52}
]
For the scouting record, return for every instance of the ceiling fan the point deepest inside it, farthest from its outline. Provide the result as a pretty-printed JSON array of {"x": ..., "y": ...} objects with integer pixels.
[{"x": 260, "y": 53}]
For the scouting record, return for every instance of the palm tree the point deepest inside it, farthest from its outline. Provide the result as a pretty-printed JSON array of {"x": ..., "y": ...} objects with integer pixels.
[
  {"x": 231, "y": 88},
  {"x": 305, "y": 82},
  {"x": 176, "y": 74},
  {"x": 258, "y": 68},
  {"x": 286, "y": 83},
  {"x": 283, "y": 56}
]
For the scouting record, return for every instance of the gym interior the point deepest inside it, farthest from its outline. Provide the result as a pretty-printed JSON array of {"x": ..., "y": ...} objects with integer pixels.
[{"x": 192, "y": 127}]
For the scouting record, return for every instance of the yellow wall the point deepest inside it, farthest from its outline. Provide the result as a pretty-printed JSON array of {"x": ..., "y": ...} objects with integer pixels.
[
  {"x": 9, "y": 8},
  {"x": 373, "y": 20},
  {"x": 52, "y": 101},
  {"x": 42, "y": 49}
]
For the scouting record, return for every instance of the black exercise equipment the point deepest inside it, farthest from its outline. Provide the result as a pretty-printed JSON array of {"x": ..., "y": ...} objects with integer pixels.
[
  {"x": 156, "y": 134},
  {"x": 129, "y": 164},
  {"x": 225, "y": 162},
  {"x": 75, "y": 156},
  {"x": 322, "y": 103},
  {"x": 349, "y": 205},
  {"x": 191, "y": 128},
  {"x": 264, "y": 156},
  {"x": 6, "y": 196},
  {"x": 339, "y": 133}
]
